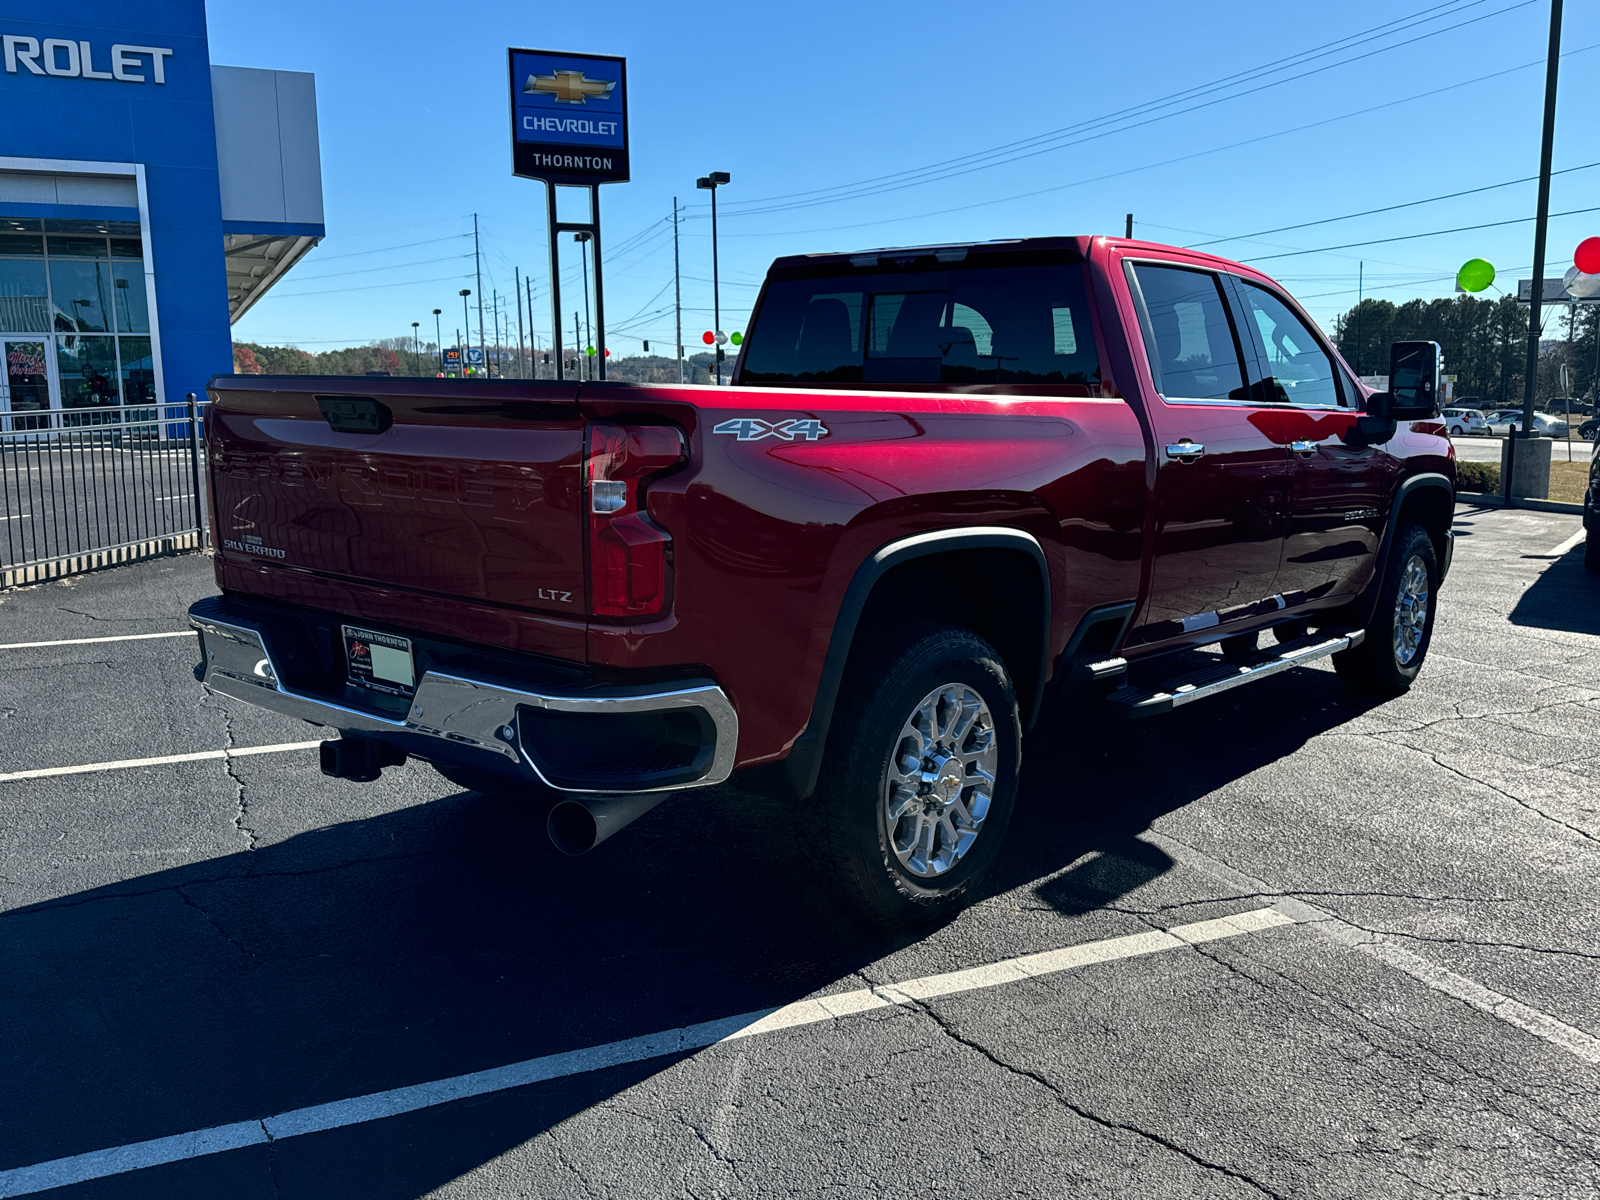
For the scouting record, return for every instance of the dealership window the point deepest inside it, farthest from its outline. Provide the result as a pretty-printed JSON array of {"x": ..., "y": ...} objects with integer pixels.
[{"x": 80, "y": 285}]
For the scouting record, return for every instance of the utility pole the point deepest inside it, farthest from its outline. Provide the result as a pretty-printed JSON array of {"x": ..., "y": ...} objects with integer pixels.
[
  {"x": 466, "y": 320},
  {"x": 1361, "y": 291},
  {"x": 1536, "y": 292},
  {"x": 438, "y": 337},
  {"x": 416, "y": 348},
  {"x": 677, "y": 290},
  {"x": 533, "y": 338},
  {"x": 521, "y": 348},
  {"x": 478, "y": 265},
  {"x": 577, "y": 342}
]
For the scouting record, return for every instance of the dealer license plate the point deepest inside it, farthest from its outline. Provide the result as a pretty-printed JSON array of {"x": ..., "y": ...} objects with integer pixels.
[{"x": 380, "y": 661}]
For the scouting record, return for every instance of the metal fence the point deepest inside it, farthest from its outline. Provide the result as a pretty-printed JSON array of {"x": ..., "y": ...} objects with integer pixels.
[{"x": 86, "y": 488}]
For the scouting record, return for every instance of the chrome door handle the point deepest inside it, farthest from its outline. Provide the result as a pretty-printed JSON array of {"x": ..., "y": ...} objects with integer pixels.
[
  {"x": 1303, "y": 447},
  {"x": 1185, "y": 451}
]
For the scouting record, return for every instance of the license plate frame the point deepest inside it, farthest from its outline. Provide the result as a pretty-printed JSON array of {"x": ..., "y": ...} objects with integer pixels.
[{"x": 378, "y": 661}]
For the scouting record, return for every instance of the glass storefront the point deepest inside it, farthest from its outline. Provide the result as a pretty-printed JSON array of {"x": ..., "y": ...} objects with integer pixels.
[{"x": 77, "y": 290}]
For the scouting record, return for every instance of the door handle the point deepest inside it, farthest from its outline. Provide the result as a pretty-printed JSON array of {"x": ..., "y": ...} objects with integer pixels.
[
  {"x": 1185, "y": 451},
  {"x": 1303, "y": 447}
]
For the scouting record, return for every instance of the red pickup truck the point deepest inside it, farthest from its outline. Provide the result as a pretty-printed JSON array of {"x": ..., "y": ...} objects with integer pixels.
[{"x": 944, "y": 480}]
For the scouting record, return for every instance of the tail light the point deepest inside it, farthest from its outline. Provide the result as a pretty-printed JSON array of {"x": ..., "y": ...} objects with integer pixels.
[{"x": 627, "y": 550}]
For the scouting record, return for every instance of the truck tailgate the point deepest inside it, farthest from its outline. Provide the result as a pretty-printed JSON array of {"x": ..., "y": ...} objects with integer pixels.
[{"x": 456, "y": 489}]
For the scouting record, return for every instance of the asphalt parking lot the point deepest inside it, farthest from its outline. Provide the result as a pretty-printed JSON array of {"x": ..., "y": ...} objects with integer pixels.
[{"x": 1382, "y": 981}]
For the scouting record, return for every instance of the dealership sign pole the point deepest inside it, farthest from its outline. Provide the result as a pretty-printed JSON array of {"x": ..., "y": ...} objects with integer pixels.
[{"x": 569, "y": 128}]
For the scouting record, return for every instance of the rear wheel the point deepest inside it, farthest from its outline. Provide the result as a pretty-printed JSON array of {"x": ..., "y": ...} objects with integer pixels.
[
  {"x": 1388, "y": 660},
  {"x": 920, "y": 777}
]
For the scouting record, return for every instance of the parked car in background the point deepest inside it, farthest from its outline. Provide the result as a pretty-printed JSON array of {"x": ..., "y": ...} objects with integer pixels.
[
  {"x": 1566, "y": 407},
  {"x": 1462, "y": 421},
  {"x": 1509, "y": 420}
]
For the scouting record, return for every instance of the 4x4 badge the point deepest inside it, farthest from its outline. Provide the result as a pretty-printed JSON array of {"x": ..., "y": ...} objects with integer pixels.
[{"x": 753, "y": 429}]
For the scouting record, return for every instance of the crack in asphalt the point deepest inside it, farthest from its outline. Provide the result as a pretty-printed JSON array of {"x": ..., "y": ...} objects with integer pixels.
[
  {"x": 242, "y": 808},
  {"x": 1105, "y": 1122},
  {"x": 561, "y": 1156},
  {"x": 1455, "y": 941},
  {"x": 214, "y": 923},
  {"x": 272, "y": 1160},
  {"x": 1538, "y": 812}
]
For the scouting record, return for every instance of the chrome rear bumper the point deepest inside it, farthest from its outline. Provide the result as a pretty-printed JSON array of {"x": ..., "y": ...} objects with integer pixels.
[{"x": 459, "y": 718}]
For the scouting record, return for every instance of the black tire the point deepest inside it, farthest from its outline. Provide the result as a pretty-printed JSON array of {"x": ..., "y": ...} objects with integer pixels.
[
  {"x": 1380, "y": 666},
  {"x": 1240, "y": 646},
  {"x": 1591, "y": 551},
  {"x": 880, "y": 695},
  {"x": 1290, "y": 631}
]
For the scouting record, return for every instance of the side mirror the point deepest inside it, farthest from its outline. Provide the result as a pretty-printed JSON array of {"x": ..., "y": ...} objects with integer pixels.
[
  {"x": 1375, "y": 426},
  {"x": 1414, "y": 377}
]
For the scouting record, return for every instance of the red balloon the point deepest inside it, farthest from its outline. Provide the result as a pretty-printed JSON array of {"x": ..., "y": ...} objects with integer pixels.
[
  {"x": 1587, "y": 256},
  {"x": 708, "y": 337},
  {"x": 608, "y": 353}
]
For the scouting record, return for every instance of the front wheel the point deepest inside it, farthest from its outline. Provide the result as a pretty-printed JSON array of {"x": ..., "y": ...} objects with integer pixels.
[
  {"x": 1388, "y": 660},
  {"x": 920, "y": 776}
]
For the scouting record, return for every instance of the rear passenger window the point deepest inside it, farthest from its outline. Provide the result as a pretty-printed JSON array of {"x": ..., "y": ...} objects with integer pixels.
[
  {"x": 1298, "y": 368},
  {"x": 952, "y": 324},
  {"x": 1193, "y": 351}
]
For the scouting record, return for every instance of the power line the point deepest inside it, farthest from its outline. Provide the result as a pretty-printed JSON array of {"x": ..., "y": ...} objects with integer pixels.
[
  {"x": 385, "y": 249},
  {"x": 1488, "y": 187},
  {"x": 1408, "y": 237},
  {"x": 1019, "y": 151},
  {"x": 392, "y": 267},
  {"x": 1167, "y": 162},
  {"x": 369, "y": 287}
]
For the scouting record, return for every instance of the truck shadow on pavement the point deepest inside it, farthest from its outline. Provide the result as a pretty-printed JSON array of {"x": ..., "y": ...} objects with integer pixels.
[
  {"x": 448, "y": 937},
  {"x": 1564, "y": 597}
]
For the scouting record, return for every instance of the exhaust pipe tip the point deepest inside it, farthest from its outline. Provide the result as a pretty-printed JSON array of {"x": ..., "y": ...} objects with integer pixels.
[
  {"x": 578, "y": 826},
  {"x": 572, "y": 828}
]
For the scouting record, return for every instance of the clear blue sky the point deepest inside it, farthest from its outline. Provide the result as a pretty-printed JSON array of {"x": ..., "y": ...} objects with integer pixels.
[{"x": 795, "y": 98}]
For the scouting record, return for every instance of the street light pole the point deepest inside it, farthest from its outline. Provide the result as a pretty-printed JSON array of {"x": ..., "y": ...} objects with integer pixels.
[
  {"x": 1536, "y": 292},
  {"x": 416, "y": 348},
  {"x": 677, "y": 290},
  {"x": 438, "y": 338},
  {"x": 582, "y": 238},
  {"x": 710, "y": 183},
  {"x": 466, "y": 321}
]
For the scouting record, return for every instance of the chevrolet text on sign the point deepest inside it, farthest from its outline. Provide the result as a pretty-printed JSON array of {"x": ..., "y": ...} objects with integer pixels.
[{"x": 569, "y": 117}]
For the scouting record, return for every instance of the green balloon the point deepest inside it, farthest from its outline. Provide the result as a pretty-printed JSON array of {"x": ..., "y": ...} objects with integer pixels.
[
  {"x": 589, "y": 350},
  {"x": 737, "y": 339},
  {"x": 1475, "y": 275}
]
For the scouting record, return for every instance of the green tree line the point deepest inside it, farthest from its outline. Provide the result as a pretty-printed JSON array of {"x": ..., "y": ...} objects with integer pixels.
[{"x": 1485, "y": 343}]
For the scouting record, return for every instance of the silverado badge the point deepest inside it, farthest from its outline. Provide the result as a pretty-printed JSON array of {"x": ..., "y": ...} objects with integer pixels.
[{"x": 753, "y": 429}]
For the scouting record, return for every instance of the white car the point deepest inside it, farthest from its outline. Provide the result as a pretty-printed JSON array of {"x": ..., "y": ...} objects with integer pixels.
[
  {"x": 1509, "y": 420},
  {"x": 1462, "y": 421}
]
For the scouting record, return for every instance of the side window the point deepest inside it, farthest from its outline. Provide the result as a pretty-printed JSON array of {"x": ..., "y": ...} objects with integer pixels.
[
  {"x": 1298, "y": 368},
  {"x": 1193, "y": 351}
]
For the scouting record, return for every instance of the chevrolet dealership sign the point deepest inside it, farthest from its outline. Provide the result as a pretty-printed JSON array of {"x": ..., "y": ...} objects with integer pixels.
[
  {"x": 68, "y": 59},
  {"x": 569, "y": 117}
]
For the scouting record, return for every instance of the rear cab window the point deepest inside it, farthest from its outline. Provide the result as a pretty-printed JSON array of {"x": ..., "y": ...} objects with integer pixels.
[{"x": 955, "y": 318}]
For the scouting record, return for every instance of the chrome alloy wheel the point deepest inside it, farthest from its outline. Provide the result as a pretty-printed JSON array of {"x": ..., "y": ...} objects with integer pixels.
[
  {"x": 1411, "y": 610},
  {"x": 941, "y": 780}
]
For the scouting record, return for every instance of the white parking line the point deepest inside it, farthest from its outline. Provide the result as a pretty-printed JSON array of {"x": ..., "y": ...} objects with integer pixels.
[
  {"x": 121, "y": 637},
  {"x": 1570, "y": 544},
  {"x": 97, "y": 1164},
  {"x": 1541, "y": 1025},
  {"x": 16, "y": 517},
  {"x": 123, "y": 764}
]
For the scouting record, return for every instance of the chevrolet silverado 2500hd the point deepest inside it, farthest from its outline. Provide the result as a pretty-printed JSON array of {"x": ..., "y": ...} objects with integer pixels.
[{"x": 944, "y": 481}]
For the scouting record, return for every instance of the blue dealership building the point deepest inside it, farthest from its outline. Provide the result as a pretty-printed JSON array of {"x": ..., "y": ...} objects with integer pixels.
[{"x": 147, "y": 199}]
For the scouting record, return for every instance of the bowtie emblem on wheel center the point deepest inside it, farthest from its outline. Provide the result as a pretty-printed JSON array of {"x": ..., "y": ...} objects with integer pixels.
[{"x": 945, "y": 777}]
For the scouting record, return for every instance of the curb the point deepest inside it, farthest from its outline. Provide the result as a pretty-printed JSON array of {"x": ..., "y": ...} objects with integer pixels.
[{"x": 1494, "y": 500}]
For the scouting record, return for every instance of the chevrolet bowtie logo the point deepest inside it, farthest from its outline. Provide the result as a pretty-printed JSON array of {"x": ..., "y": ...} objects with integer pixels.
[{"x": 569, "y": 87}]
